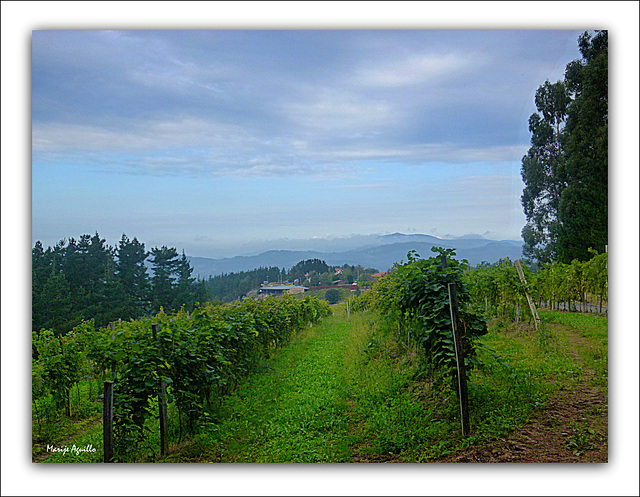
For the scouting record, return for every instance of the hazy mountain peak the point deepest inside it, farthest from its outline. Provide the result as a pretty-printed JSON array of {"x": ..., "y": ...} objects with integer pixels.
[
  {"x": 376, "y": 251},
  {"x": 470, "y": 236}
]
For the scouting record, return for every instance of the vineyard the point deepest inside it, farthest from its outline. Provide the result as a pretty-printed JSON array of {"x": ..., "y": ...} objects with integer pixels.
[
  {"x": 579, "y": 286},
  {"x": 389, "y": 353},
  {"x": 199, "y": 356}
]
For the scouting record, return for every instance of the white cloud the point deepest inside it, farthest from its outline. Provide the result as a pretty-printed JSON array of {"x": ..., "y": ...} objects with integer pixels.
[
  {"x": 415, "y": 69},
  {"x": 368, "y": 186},
  {"x": 455, "y": 153},
  {"x": 336, "y": 110},
  {"x": 204, "y": 147},
  {"x": 180, "y": 132},
  {"x": 425, "y": 153},
  {"x": 364, "y": 152},
  {"x": 180, "y": 76}
]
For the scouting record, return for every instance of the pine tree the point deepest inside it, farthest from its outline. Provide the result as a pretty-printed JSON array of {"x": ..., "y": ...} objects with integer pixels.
[
  {"x": 165, "y": 274},
  {"x": 132, "y": 275},
  {"x": 57, "y": 312},
  {"x": 185, "y": 294}
]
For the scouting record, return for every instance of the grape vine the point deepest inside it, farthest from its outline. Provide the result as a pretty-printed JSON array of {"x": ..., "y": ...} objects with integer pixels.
[{"x": 201, "y": 356}]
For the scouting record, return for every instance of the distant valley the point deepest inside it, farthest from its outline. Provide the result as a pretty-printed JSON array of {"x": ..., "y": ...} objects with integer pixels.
[{"x": 377, "y": 251}]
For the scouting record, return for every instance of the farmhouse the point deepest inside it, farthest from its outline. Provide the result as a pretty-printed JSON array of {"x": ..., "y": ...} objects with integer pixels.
[{"x": 271, "y": 289}]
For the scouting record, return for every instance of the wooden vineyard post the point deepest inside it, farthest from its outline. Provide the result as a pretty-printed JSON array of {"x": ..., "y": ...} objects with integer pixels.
[
  {"x": 107, "y": 421},
  {"x": 67, "y": 390},
  {"x": 162, "y": 397},
  {"x": 462, "y": 370},
  {"x": 463, "y": 393},
  {"x": 112, "y": 328},
  {"x": 532, "y": 306}
]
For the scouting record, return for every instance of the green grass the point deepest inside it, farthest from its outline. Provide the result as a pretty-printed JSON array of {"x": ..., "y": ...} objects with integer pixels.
[
  {"x": 292, "y": 412},
  {"x": 85, "y": 448},
  {"x": 51, "y": 428},
  {"x": 538, "y": 353},
  {"x": 415, "y": 418},
  {"x": 595, "y": 328},
  {"x": 352, "y": 390},
  {"x": 337, "y": 391},
  {"x": 387, "y": 417},
  {"x": 522, "y": 369},
  {"x": 594, "y": 348}
]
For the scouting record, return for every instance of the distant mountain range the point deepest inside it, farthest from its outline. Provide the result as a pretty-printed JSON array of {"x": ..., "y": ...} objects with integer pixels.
[{"x": 379, "y": 252}]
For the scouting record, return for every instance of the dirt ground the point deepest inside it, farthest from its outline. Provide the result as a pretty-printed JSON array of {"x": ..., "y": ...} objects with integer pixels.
[{"x": 573, "y": 427}]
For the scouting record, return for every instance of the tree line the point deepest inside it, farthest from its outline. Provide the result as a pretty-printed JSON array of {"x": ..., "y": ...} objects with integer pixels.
[
  {"x": 228, "y": 287},
  {"x": 566, "y": 169},
  {"x": 86, "y": 279},
  {"x": 83, "y": 279}
]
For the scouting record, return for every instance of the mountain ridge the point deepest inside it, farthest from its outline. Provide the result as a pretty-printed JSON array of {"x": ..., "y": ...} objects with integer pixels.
[{"x": 381, "y": 256}]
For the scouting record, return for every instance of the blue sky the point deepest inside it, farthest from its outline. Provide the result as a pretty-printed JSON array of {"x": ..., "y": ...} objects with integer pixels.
[
  {"x": 207, "y": 140},
  {"x": 81, "y": 181}
]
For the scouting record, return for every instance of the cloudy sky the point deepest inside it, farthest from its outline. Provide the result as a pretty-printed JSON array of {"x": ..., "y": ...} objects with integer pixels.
[
  {"x": 209, "y": 140},
  {"x": 212, "y": 138}
]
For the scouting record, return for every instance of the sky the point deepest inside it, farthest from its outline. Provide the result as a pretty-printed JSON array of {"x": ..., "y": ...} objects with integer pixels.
[
  {"x": 102, "y": 106},
  {"x": 211, "y": 140}
]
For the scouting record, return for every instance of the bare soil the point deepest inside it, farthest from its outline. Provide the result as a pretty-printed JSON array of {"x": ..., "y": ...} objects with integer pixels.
[{"x": 572, "y": 428}]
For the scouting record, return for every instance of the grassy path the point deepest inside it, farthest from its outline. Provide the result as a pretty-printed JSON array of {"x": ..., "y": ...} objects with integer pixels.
[
  {"x": 337, "y": 393},
  {"x": 350, "y": 390},
  {"x": 295, "y": 411},
  {"x": 573, "y": 426}
]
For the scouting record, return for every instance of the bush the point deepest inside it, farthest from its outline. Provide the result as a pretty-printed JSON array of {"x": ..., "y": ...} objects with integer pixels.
[
  {"x": 332, "y": 295},
  {"x": 414, "y": 296}
]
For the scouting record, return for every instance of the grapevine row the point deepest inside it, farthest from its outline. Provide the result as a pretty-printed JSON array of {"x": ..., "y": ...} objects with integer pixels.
[
  {"x": 201, "y": 356},
  {"x": 414, "y": 297},
  {"x": 498, "y": 290}
]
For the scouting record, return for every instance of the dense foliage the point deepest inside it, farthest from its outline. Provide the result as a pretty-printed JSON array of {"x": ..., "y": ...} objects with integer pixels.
[
  {"x": 79, "y": 280},
  {"x": 201, "y": 356},
  {"x": 497, "y": 289},
  {"x": 565, "y": 171},
  {"x": 301, "y": 270},
  {"x": 415, "y": 297},
  {"x": 86, "y": 279},
  {"x": 332, "y": 295}
]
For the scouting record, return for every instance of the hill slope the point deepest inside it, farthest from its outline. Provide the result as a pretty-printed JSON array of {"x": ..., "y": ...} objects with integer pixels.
[{"x": 388, "y": 250}]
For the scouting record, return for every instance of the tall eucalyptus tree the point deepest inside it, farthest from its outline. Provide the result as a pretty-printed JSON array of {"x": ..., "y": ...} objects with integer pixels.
[
  {"x": 565, "y": 171},
  {"x": 583, "y": 209},
  {"x": 543, "y": 172}
]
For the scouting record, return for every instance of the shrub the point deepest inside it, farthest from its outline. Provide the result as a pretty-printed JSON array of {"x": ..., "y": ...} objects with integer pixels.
[{"x": 332, "y": 295}]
